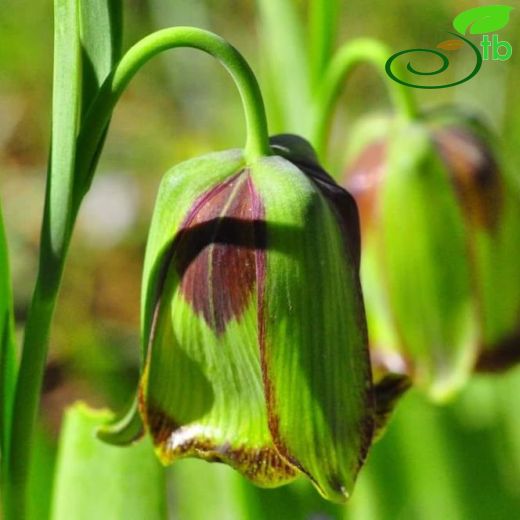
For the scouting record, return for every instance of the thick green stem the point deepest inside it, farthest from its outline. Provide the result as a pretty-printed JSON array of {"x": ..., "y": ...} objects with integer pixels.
[
  {"x": 8, "y": 365},
  {"x": 257, "y": 143},
  {"x": 27, "y": 395},
  {"x": 356, "y": 52},
  {"x": 323, "y": 18}
]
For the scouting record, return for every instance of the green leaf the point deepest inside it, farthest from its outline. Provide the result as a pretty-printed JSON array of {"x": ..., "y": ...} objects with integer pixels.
[
  {"x": 66, "y": 102},
  {"x": 101, "y": 34},
  {"x": 101, "y": 30},
  {"x": 41, "y": 474},
  {"x": 481, "y": 20},
  {"x": 95, "y": 480},
  {"x": 281, "y": 29},
  {"x": 7, "y": 345},
  {"x": 324, "y": 17}
]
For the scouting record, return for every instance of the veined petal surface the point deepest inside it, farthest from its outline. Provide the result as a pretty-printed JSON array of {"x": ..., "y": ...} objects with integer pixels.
[
  {"x": 201, "y": 391},
  {"x": 313, "y": 343}
]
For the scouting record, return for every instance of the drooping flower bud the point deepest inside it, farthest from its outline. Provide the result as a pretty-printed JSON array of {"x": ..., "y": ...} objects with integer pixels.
[
  {"x": 438, "y": 217},
  {"x": 254, "y": 329}
]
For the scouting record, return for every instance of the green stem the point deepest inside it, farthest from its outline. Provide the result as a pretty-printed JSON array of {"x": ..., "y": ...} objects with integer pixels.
[
  {"x": 27, "y": 393},
  {"x": 52, "y": 258},
  {"x": 8, "y": 364},
  {"x": 323, "y": 18},
  {"x": 356, "y": 52},
  {"x": 257, "y": 144}
]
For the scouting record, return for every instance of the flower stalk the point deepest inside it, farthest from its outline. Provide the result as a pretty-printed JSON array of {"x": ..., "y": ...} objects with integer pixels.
[{"x": 352, "y": 54}]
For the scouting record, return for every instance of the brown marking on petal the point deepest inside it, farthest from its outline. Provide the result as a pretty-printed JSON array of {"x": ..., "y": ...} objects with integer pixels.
[
  {"x": 159, "y": 425},
  {"x": 272, "y": 418},
  {"x": 475, "y": 175},
  {"x": 363, "y": 178},
  {"x": 388, "y": 391},
  {"x": 500, "y": 357},
  {"x": 262, "y": 465},
  {"x": 215, "y": 251}
]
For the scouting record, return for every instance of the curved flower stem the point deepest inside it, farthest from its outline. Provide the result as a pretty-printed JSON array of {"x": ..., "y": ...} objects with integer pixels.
[
  {"x": 356, "y": 52},
  {"x": 257, "y": 143},
  {"x": 88, "y": 148}
]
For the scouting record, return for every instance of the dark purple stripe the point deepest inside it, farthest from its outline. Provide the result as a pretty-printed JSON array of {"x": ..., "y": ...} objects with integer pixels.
[{"x": 215, "y": 255}]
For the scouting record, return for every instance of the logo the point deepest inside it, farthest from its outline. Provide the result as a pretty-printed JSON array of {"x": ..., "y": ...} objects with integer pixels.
[{"x": 477, "y": 21}]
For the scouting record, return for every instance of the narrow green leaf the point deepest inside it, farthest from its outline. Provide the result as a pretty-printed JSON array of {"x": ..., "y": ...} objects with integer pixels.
[
  {"x": 95, "y": 480},
  {"x": 100, "y": 33},
  {"x": 324, "y": 18},
  {"x": 101, "y": 30},
  {"x": 7, "y": 346},
  {"x": 484, "y": 19},
  {"x": 65, "y": 119},
  {"x": 284, "y": 46},
  {"x": 41, "y": 474}
]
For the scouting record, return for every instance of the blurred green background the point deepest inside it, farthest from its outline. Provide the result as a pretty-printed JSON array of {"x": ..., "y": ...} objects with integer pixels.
[{"x": 461, "y": 461}]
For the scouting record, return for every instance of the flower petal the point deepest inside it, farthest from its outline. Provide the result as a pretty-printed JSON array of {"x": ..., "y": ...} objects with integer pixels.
[
  {"x": 179, "y": 190},
  {"x": 201, "y": 391},
  {"x": 312, "y": 332}
]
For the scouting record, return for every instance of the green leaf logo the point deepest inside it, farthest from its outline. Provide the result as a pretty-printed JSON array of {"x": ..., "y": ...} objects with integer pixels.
[{"x": 481, "y": 20}]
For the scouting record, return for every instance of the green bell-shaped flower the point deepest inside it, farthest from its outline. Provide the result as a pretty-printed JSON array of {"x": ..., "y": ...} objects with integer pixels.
[
  {"x": 254, "y": 333},
  {"x": 439, "y": 270}
]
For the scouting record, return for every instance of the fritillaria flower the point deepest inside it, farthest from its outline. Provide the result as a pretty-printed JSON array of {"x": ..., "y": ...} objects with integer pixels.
[
  {"x": 254, "y": 333},
  {"x": 438, "y": 216}
]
